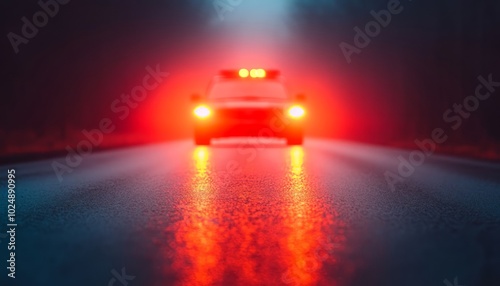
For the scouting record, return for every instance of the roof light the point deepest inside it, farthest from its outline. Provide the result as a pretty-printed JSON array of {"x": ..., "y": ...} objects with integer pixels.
[
  {"x": 261, "y": 73},
  {"x": 243, "y": 73},
  {"x": 250, "y": 73},
  {"x": 258, "y": 73},
  {"x": 254, "y": 73}
]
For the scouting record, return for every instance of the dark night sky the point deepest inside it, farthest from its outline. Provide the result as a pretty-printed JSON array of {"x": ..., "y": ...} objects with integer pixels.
[{"x": 396, "y": 89}]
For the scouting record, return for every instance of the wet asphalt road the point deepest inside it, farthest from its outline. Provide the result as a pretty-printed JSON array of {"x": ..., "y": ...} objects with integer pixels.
[{"x": 322, "y": 214}]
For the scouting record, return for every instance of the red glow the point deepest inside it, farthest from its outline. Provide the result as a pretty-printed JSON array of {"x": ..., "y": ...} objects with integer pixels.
[{"x": 336, "y": 107}]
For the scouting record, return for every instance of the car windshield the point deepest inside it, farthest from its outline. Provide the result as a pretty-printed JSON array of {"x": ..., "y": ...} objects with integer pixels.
[{"x": 248, "y": 90}]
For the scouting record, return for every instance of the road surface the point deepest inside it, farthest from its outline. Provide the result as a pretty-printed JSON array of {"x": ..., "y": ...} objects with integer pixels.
[{"x": 322, "y": 214}]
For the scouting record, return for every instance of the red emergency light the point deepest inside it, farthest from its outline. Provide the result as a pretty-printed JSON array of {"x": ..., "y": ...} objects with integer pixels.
[{"x": 256, "y": 73}]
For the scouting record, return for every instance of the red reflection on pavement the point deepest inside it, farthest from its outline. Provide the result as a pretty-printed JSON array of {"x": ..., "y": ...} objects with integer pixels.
[
  {"x": 306, "y": 243},
  {"x": 243, "y": 236},
  {"x": 196, "y": 234}
]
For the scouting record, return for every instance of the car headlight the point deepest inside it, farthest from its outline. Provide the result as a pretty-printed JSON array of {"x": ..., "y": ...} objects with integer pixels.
[
  {"x": 202, "y": 111},
  {"x": 296, "y": 111}
]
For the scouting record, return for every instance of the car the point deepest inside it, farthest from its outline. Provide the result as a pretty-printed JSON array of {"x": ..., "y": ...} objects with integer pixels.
[{"x": 248, "y": 103}]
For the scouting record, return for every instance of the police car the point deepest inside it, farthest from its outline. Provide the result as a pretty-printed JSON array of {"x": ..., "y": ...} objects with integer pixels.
[{"x": 248, "y": 103}]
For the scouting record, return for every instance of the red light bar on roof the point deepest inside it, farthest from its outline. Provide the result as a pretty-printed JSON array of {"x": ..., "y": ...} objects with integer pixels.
[{"x": 250, "y": 73}]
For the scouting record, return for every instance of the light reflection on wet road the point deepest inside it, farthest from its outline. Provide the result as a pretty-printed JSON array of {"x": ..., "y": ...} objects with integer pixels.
[
  {"x": 322, "y": 214},
  {"x": 251, "y": 238}
]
